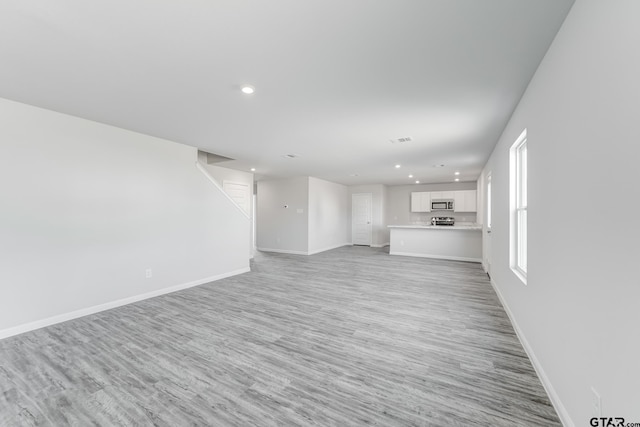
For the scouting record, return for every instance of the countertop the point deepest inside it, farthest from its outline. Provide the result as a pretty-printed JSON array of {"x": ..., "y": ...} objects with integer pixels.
[{"x": 441, "y": 227}]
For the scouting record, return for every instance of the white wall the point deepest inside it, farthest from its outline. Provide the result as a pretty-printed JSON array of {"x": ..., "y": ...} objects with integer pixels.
[
  {"x": 328, "y": 222},
  {"x": 399, "y": 210},
  {"x": 579, "y": 312},
  {"x": 86, "y": 208},
  {"x": 279, "y": 228},
  {"x": 379, "y": 230}
]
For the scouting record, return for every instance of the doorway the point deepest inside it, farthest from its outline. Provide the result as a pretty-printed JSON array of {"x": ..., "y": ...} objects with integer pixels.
[
  {"x": 361, "y": 228},
  {"x": 487, "y": 239}
]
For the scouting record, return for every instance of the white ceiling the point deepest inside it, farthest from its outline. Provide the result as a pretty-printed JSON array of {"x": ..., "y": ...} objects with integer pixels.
[{"x": 335, "y": 80}]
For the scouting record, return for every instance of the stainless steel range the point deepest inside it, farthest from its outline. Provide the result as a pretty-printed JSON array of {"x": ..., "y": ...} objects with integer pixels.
[{"x": 442, "y": 220}]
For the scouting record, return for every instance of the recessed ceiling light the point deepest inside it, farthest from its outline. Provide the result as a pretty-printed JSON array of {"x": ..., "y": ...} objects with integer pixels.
[
  {"x": 457, "y": 179},
  {"x": 248, "y": 89},
  {"x": 398, "y": 166},
  {"x": 410, "y": 176},
  {"x": 417, "y": 182},
  {"x": 456, "y": 173},
  {"x": 253, "y": 169}
]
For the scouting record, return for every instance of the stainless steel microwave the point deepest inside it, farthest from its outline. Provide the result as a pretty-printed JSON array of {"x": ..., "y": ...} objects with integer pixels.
[{"x": 442, "y": 205}]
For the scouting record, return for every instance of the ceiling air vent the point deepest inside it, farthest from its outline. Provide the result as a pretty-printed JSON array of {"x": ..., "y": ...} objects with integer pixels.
[{"x": 401, "y": 140}]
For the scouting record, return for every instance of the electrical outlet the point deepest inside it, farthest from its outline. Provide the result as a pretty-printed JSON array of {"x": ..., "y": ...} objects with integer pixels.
[
  {"x": 596, "y": 407},
  {"x": 148, "y": 273}
]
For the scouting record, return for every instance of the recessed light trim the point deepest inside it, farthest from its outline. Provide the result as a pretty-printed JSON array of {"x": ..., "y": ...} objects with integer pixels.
[{"x": 247, "y": 89}]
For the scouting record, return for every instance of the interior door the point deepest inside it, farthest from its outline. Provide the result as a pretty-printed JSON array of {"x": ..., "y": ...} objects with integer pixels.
[
  {"x": 361, "y": 219},
  {"x": 240, "y": 193},
  {"x": 487, "y": 236}
]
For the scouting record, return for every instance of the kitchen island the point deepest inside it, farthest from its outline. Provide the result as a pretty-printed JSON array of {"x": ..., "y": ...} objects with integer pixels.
[{"x": 454, "y": 242}]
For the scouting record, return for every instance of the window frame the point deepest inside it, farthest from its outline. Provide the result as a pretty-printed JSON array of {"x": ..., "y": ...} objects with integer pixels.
[{"x": 518, "y": 206}]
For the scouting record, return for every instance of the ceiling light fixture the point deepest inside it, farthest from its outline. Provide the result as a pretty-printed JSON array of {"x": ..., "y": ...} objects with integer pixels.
[
  {"x": 253, "y": 169},
  {"x": 247, "y": 89},
  {"x": 398, "y": 166},
  {"x": 410, "y": 176},
  {"x": 457, "y": 179},
  {"x": 456, "y": 173},
  {"x": 417, "y": 182}
]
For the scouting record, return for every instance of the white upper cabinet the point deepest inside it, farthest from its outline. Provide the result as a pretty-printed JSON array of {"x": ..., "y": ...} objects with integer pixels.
[
  {"x": 421, "y": 201},
  {"x": 443, "y": 195},
  {"x": 465, "y": 201}
]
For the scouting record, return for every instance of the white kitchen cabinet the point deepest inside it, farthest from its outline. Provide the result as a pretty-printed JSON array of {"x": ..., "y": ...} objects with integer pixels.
[
  {"x": 465, "y": 201},
  {"x": 442, "y": 195},
  {"x": 420, "y": 201}
]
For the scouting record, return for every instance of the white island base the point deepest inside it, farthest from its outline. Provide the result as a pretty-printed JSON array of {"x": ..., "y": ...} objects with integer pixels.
[{"x": 458, "y": 243}]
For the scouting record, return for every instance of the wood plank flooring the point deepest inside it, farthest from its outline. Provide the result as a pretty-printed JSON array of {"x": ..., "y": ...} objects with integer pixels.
[{"x": 348, "y": 337}]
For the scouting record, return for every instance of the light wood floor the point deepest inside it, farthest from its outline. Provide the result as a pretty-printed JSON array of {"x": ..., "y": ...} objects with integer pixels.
[{"x": 347, "y": 337}]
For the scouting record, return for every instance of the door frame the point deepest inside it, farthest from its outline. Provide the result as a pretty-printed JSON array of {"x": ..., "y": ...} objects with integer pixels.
[{"x": 487, "y": 246}]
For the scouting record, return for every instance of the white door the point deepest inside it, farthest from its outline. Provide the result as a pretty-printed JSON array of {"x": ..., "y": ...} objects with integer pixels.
[
  {"x": 361, "y": 219},
  {"x": 487, "y": 239},
  {"x": 240, "y": 194}
]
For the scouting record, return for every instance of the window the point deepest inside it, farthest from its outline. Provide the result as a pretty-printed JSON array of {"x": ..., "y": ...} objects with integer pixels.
[{"x": 518, "y": 203}]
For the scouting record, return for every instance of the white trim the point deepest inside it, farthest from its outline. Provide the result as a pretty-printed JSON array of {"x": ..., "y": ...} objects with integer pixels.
[
  {"x": 20, "y": 329},
  {"x": 217, "y": 184},
  {"x": 283, "y": 251},
  {"x": 451, "y": 258},
  {"x": 546, "y": 383},
  {"x": 381, "y": 246},
  {"x": 328, "y": 248}
]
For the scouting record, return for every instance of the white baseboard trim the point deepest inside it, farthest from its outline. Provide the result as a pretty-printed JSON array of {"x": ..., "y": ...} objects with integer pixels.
[
  {"x": 328, "y": 248},
  {"x": 31, "y": 326},
  {"x": 450, "y": 258},
  {"x": 283, "y": 251},
  {"x": 381, "y": 246},
  {"x": 551, "y": 392},
  {"x": 287, "y": 251}
]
